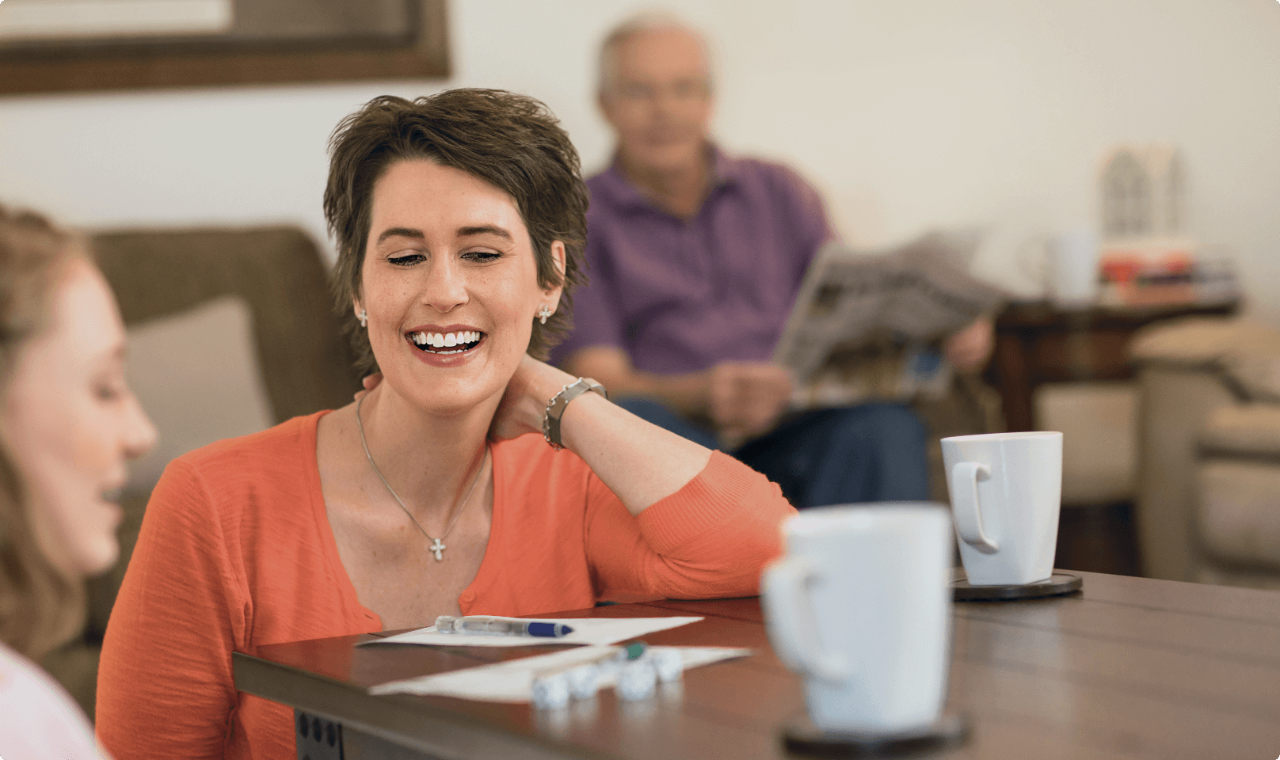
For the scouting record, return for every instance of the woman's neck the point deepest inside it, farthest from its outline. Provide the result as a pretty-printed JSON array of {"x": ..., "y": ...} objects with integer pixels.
[{"x": 429, "y": 460}]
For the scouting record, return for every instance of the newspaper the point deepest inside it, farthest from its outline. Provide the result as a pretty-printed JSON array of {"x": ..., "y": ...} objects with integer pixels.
[{"x": 870, "y": 325}]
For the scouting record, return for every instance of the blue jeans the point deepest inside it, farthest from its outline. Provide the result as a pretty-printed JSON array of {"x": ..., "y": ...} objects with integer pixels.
[{"x": 845, "y": 455}]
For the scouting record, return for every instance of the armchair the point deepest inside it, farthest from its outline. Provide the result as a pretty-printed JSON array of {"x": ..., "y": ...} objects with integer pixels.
[{"x": 1208, "y": 506}]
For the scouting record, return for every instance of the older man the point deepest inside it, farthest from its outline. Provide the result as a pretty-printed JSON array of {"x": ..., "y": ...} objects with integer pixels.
[{"x": 695, "y": 261}]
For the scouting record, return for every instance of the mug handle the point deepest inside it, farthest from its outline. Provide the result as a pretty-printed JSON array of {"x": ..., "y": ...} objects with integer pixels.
[
  {"x": 965, "y": 507},
  {"x": 791, "y": 625}
]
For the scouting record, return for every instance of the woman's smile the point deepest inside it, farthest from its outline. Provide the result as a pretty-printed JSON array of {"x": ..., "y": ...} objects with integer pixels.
[{"x": 445, "y": 346}]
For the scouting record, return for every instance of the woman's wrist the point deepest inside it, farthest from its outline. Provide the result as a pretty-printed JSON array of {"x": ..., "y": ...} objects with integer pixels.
[
  {"x": 538, "y": 392},
  {"x": 559, "y": 404}
]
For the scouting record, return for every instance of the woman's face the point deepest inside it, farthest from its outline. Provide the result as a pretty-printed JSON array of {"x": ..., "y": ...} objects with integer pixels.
[
  {"x": 450, "y": 285},
  {"x": 71, "y": 423}
]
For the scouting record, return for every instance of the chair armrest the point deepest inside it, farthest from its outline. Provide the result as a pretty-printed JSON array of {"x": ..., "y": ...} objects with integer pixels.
[
  {"x": 1203, "y": 341},
  {"x": 1242, "y": 430}
]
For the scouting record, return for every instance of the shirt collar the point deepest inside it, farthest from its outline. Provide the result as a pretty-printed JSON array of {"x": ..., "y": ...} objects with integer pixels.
[{"x": 725, "y": 172}]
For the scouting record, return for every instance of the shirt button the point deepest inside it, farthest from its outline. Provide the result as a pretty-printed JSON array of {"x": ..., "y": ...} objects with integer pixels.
[{"x": 468, "y": 596}]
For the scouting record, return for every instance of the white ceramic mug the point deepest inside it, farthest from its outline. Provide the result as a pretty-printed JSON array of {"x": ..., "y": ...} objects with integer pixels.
[
  {"x": 1006, "y": 490},
  {"x": 860, "y": 607}
]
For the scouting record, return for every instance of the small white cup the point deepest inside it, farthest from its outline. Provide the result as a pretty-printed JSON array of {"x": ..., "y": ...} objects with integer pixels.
[
  {"x": 860, "y": 607},
  {"x": 1073, "y": 267},
  {"x": 1006, "y": 491}
]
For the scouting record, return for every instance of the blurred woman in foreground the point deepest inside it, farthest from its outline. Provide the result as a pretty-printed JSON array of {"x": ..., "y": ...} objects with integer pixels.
[{"x": 68, "y": 425}]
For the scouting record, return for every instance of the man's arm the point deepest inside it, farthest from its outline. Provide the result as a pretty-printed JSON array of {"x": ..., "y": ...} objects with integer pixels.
[{"x": 742, "y": 399}]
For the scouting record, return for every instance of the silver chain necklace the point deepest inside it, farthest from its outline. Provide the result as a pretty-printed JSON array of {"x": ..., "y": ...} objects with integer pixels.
[{"x": 437, "y": 545}]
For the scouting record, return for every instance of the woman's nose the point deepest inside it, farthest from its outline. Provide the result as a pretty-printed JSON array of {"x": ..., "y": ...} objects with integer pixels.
[
  {"x": 140, "y": 433},
  {"x": 445, "y": 287}
]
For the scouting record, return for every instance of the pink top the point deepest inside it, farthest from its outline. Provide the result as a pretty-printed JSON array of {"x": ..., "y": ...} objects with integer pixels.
[{"x": 38, "y": 719}]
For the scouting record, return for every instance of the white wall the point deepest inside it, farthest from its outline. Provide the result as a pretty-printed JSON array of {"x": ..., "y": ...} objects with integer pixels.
[{"x": 907, "y": 114}]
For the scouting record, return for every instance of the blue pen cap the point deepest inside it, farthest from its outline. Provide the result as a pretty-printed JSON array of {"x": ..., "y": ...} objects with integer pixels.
[{"x": 554, "y": 630}]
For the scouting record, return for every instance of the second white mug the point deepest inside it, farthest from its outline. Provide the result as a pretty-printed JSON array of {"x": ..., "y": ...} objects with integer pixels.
[{"x": 1006, "y": 491}]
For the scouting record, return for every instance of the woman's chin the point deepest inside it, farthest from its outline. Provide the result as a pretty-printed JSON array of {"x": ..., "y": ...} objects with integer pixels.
[{"x": 449, "y": 394}]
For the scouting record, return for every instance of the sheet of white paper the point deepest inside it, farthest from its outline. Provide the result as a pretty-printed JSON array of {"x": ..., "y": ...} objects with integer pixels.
[
  {"x": 597, "y": 631},
  {"x": 512, "y": 681}
]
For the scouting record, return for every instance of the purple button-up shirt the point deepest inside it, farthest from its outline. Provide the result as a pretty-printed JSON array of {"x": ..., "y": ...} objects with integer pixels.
[{"x": 683, "y": 295}]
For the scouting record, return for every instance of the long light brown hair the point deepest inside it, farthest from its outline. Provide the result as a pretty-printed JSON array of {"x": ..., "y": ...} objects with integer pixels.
[{"x": 40, "y": 607}]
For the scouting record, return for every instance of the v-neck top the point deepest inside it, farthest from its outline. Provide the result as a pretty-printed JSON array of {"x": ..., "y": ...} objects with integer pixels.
[{"x": 236, "y": 552}]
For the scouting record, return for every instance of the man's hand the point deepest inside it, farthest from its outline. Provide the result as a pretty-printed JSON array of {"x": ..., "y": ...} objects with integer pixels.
[
  {"x": 747, "y": 398},
  {"x": 970, "y": 348}
]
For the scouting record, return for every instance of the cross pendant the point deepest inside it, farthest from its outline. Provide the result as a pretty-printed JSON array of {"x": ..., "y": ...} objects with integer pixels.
[{"x": 438, "y": 548}]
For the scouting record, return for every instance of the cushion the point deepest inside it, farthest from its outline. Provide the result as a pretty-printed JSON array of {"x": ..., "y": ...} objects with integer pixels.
[
  {"x": 1099, "y": 438},
  {"x": 1239, "y": 515},
  {"x": 196, "y": 374},
  {"x": 1249, "y": 430}
]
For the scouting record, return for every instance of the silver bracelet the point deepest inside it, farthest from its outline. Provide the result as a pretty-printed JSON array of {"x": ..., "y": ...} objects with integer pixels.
[{"x": 557, "y": 404}]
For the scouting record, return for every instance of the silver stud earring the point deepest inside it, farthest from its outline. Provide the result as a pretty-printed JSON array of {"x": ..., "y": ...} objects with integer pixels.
[
  {"x": 543, "y": 313},
  {"x": 364, "y": 318}
]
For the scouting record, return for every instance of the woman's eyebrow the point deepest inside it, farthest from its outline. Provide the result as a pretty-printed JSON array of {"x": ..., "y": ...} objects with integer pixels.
[
  {"x": 401, "y": 232},
  {"x": 487, "y": 229}
]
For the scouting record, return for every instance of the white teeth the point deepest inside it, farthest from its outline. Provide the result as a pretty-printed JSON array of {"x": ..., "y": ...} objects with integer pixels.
[{"x": 442, "y": 340}]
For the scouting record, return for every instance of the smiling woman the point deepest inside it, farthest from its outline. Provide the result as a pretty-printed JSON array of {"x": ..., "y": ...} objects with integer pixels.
[
  {"x": 67, "y": 427},
  {"x": 445, "y": 489}
]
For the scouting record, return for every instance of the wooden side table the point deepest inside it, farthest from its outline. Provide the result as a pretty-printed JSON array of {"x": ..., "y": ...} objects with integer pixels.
[{"x": 1038, "y": 342}]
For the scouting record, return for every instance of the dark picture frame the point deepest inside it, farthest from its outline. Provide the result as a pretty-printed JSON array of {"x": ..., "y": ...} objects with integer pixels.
[{"x": 412, "y": 45}]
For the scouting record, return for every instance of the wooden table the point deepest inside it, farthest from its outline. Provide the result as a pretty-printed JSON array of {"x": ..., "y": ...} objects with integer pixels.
[{"x": 1133, "y": 667}]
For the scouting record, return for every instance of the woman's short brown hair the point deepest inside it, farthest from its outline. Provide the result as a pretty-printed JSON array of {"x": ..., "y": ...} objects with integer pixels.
[
  {"x": 39, "y": 606},
  {"x": 511, "y": 141}
]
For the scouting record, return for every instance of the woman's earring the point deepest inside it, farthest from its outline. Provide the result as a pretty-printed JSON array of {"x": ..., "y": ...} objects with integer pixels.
[
  {"x": 543, "y": 313},
  {"x": 364, "y": 318}
]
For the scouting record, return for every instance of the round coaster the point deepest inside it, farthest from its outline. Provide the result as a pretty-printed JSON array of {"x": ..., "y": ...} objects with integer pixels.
[
  {"x": 1058, "y": 584},
  {"x": 799, "y": 735}
]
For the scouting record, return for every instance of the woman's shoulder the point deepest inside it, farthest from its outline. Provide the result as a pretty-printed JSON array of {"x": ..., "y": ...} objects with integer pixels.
[
  {"x": 281, "y": 445},
  {"x": 40, "y": 719}
]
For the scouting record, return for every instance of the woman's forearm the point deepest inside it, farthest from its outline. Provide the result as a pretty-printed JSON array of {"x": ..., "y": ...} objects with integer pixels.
[{"x": 639, "y": 461}]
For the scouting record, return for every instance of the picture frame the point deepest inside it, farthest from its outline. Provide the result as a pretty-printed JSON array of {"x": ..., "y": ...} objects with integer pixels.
[{"x": 269, "y": 42}]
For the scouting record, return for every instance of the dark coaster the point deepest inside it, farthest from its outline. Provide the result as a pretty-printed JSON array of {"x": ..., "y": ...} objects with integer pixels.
[
  {"x": 799, "y": 735},
  {"x": 1058, "y": 584}
]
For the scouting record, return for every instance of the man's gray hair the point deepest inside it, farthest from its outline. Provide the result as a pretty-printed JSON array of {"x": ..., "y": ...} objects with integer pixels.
[{"x": 645, "y": 21}]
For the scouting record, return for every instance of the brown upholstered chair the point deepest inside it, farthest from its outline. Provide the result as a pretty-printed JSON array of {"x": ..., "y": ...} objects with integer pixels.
[{"x": 231, "y": 331}]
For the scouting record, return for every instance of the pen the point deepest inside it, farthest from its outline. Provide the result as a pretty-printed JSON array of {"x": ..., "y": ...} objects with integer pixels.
[{"x": 495, "y": 626}]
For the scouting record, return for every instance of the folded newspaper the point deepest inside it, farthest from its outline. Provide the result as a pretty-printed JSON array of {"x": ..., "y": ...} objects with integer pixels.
[{"x": 870, "y": 326}]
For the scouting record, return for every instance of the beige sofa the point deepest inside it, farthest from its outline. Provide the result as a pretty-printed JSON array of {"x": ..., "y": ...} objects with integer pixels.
[
  {"x": 230, "y": 331},
  {"x": 1208, "y": 506}
]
